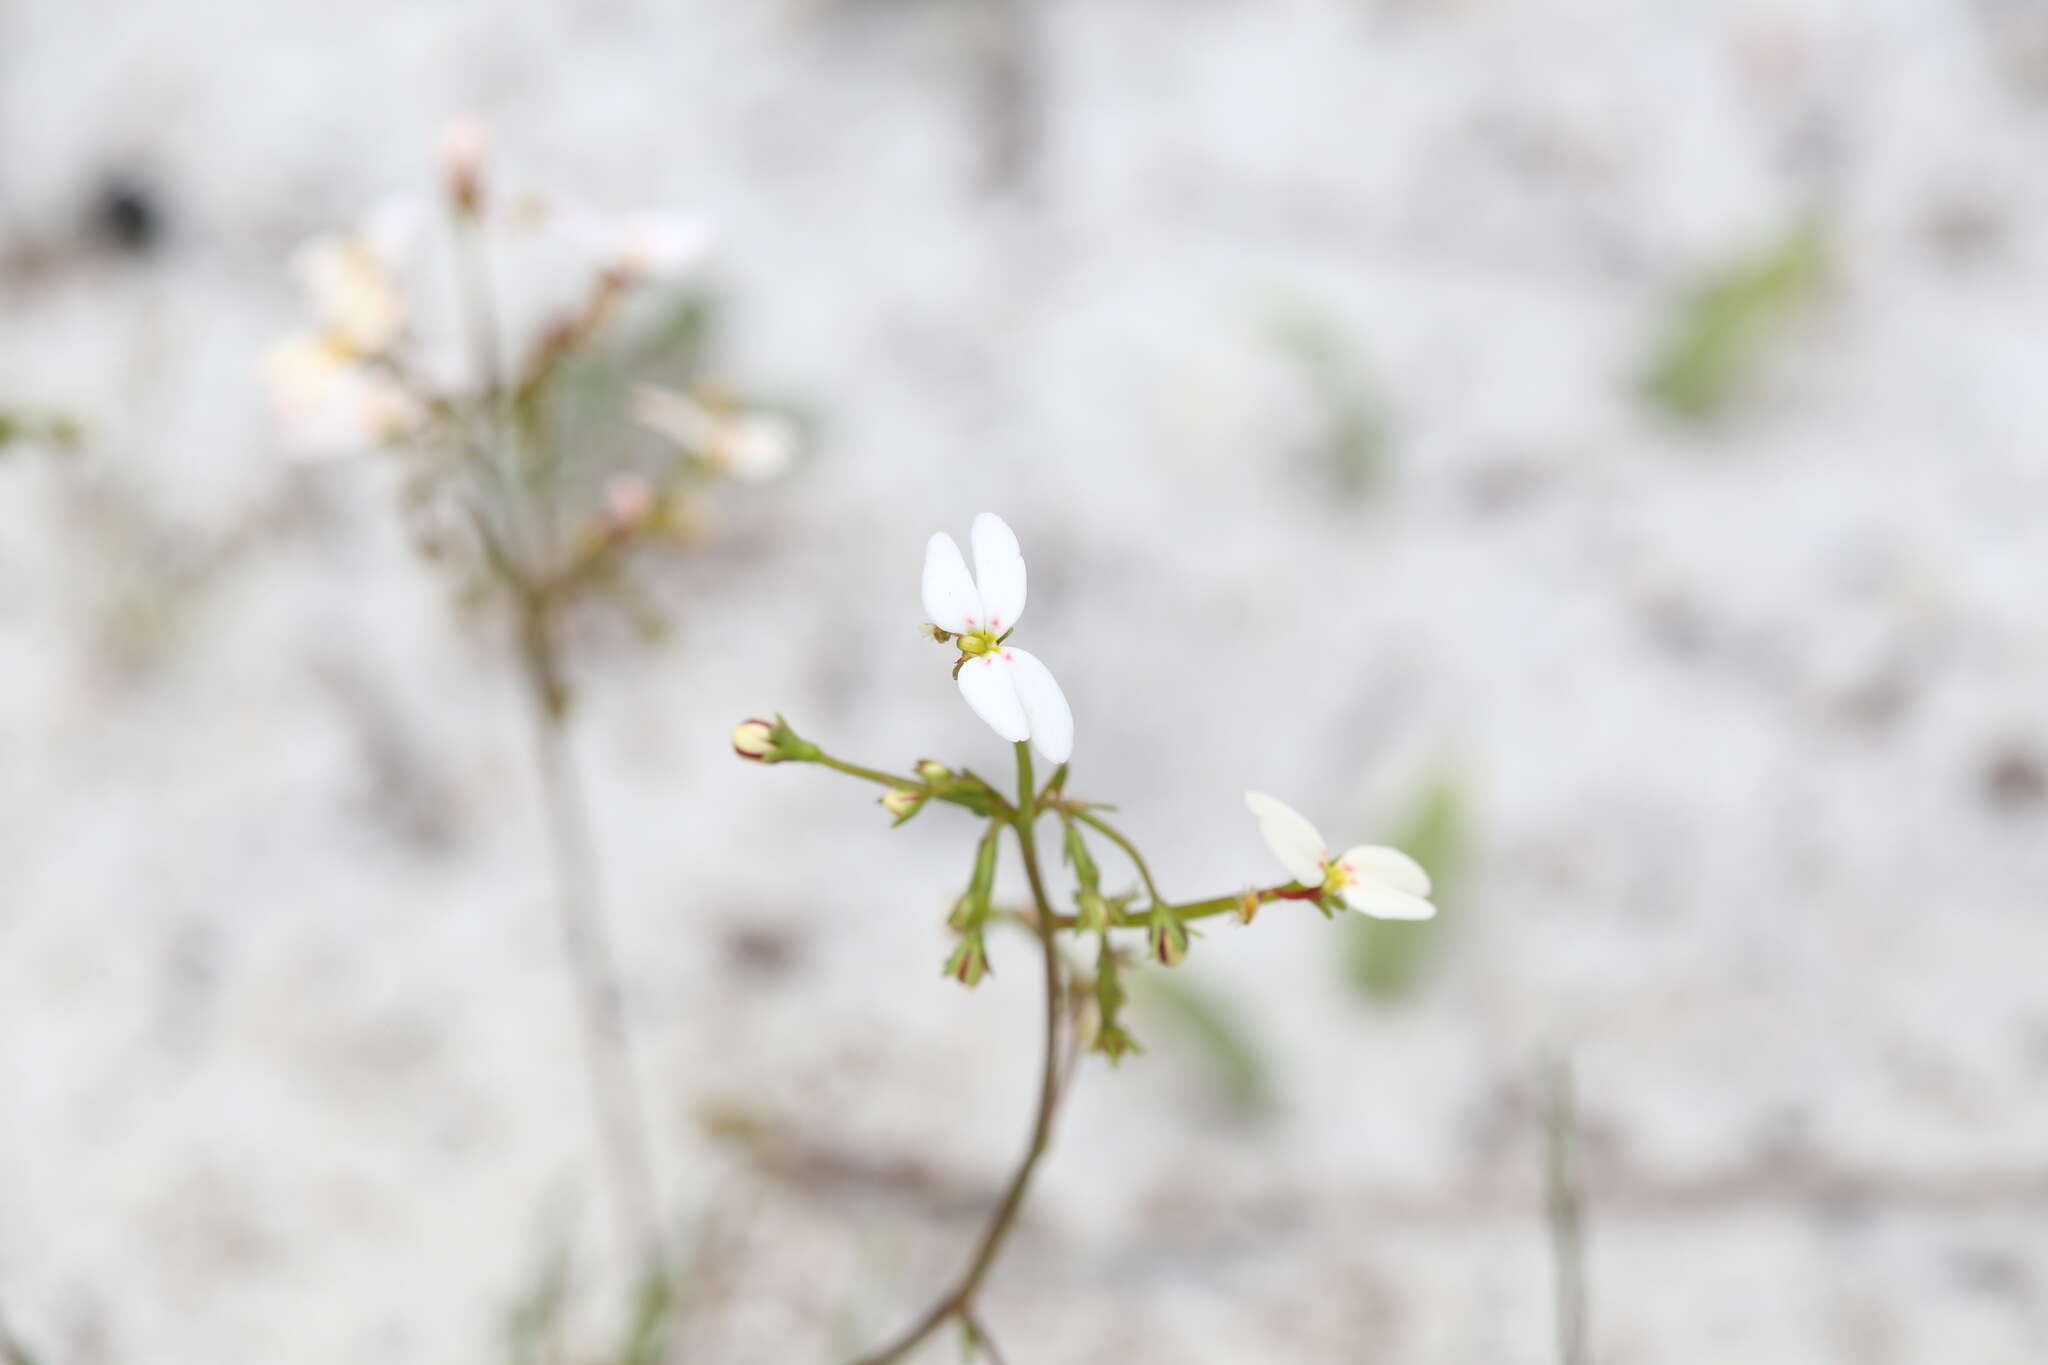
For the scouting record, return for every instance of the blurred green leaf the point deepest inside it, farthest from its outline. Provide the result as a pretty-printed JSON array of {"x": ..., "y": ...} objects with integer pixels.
[
  {"x": 1719, "y": 331},
  {"x": 12, "y": 1352},
  {"x": 653, "y": 1315},
  {"x": 1386, "y": 959},
  {"x": 1233, "y": 1060},
  {"x": 1355, "y": 427},
  {"x": 533, "y": 1328},
  {"x": 52, "y": 429}
]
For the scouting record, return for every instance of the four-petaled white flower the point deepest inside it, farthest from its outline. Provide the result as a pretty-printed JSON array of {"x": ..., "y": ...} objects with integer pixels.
[
  {"x": 1006, "y": 687},
  {"x": 1370, "y": 878}
]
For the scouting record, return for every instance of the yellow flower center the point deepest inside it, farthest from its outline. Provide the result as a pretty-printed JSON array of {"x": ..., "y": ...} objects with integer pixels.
[{"x": 977, "y": 643}]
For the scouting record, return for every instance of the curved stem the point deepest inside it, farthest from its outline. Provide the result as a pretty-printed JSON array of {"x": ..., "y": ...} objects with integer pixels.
[
  {"x": 959, "y": 1301},
  {"x": 1116, "y": 836}
]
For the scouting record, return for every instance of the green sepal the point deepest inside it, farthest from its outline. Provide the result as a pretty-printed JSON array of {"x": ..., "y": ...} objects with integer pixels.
[
  {"x": 1169, "y": 939},
  {"x": 787, "y": 746},
  {"x": 1110, "y": 1038},
  {"x": 969, "y": 962}
]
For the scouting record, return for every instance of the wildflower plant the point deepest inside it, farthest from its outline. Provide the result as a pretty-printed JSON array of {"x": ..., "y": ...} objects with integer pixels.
[
  {"x": 533, "y": 367},
  {"x": 975, "y": 615}
]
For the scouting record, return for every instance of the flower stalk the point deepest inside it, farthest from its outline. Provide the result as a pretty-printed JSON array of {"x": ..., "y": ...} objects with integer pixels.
[
  {"x": 1016, "y": 696},
  {"x": 958, "y": 1303}
]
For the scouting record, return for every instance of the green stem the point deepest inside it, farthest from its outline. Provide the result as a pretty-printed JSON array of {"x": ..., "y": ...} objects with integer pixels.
[
  {"x": 959, "y": 1301},
  {"x": 1004, "y": 810},
  {"x": 871, "y": 774},
  {"x": 1115, "y": 836},
  {"x": 1215, "y": 905}
]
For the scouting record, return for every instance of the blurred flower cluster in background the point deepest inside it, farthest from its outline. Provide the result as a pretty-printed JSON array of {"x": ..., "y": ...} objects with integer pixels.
[{"x": 1593, "y": 449}]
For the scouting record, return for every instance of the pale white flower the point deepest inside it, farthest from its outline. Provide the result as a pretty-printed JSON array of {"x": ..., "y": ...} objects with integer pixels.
[
  {"x": 747, "y": 445},
  {"x": 1370, "y": 878},
  {"x": 629, "y": 500},
  {"x": 1005, "y": 686},
  {"x": 352, "y": 281},
  {"x": 652, "y": 246},
  {"x": 465, "y": 142},
  {"x": 328, "y": 403}
]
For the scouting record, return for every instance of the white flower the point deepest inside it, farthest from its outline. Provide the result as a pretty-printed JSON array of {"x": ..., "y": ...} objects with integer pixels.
[
  {"x": 352, "y": 280},
  {"x": 326, "y": 403},
  {"x": 1005, "y": 686},
  {"x": 749, "y": 446},
  {"x": 653, "y": 246},
  {"x": 1370, "y": 878},
  {"x": 465, "y": 141}
]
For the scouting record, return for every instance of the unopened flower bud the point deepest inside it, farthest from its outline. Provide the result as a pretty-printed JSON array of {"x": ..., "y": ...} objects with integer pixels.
[
  {"x": 1094, "y": 916},
  {"x": 754, "y": 739},
  {"x": 931, "y": 770},
  {"x": 771, "y": 741},
  {"x": 1080, "y": 859},
  {"x": 969, "y": 962},
  {"x": 1169, "y": 939},
  {"x": 1110, "y": 1038},
  {"x": 932, "y": 632},
  {"x": 628, "y": 502},
  {"x": 902, "y": 803},
  {"x": 464, "y": 140}
]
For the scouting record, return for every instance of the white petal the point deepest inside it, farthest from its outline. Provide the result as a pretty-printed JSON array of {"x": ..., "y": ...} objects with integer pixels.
[
  {"x": 326, "y": 405},
  {"x": 677, "y": 416},
  {"x": 1376, "y": 863},
  {"x": 950, "y": 598},
  {"x": 656, "y": 246},
  {"x": 761, "y": 446},
  {"x": 1292, "y": 838},
  {"x": 1045, "y": 706},
  {"x": 990, "y": 686},
  {"x": 998, "y": 571},
  {"x": 1384, "y": 902}
]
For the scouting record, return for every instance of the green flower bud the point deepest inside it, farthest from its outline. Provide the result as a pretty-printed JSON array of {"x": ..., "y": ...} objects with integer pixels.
[
  {"x": 901, "y": 803},
  {"x": 1081, "y": 860},
  {"x": 1169, "y": 939},
  {"x": 969, "y": 961},
  {"x": 1110, "y": 1038}
]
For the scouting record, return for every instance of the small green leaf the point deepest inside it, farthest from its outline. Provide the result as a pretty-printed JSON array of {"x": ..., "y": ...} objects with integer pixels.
[
  {"x": 1718, "y": 333},
  {"x": 1355, "y": 435}
]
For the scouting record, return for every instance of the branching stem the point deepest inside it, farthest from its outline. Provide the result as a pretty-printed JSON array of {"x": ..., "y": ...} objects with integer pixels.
[
  {"x": 1116, "y": 836},
  {"x": 959, "y": 1302}
]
